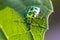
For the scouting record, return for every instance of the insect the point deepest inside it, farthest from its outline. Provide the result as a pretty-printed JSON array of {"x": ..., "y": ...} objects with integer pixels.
[{"x": 32, "y": 13}]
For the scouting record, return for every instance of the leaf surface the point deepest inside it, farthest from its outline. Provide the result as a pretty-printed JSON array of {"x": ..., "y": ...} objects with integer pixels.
[{"x": 12, "y": 20}]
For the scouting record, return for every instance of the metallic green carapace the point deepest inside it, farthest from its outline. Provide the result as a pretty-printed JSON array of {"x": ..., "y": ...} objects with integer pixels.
[
  {"x": 32, "y": 13},
  {"x": 34, "y": 16}
]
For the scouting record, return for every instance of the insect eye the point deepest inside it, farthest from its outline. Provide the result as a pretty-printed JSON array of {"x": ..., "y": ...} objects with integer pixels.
[
  {"x": 31, "y": 8},
  {"x": 36, "y": 8}
]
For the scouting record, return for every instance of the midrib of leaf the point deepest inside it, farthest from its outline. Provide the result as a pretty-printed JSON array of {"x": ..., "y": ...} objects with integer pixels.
[{"x": 8, "y": 11}]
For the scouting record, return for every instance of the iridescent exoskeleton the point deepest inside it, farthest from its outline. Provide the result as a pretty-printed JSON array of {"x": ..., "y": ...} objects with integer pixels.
[{"x": 32, "y": 13}]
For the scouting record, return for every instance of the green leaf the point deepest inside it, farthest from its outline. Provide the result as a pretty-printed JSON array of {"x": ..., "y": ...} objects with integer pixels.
[
  {"x": 2, "y": 36},
  {"x": 11, "y": 22},
  {"x": 12, "y": 19}
]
